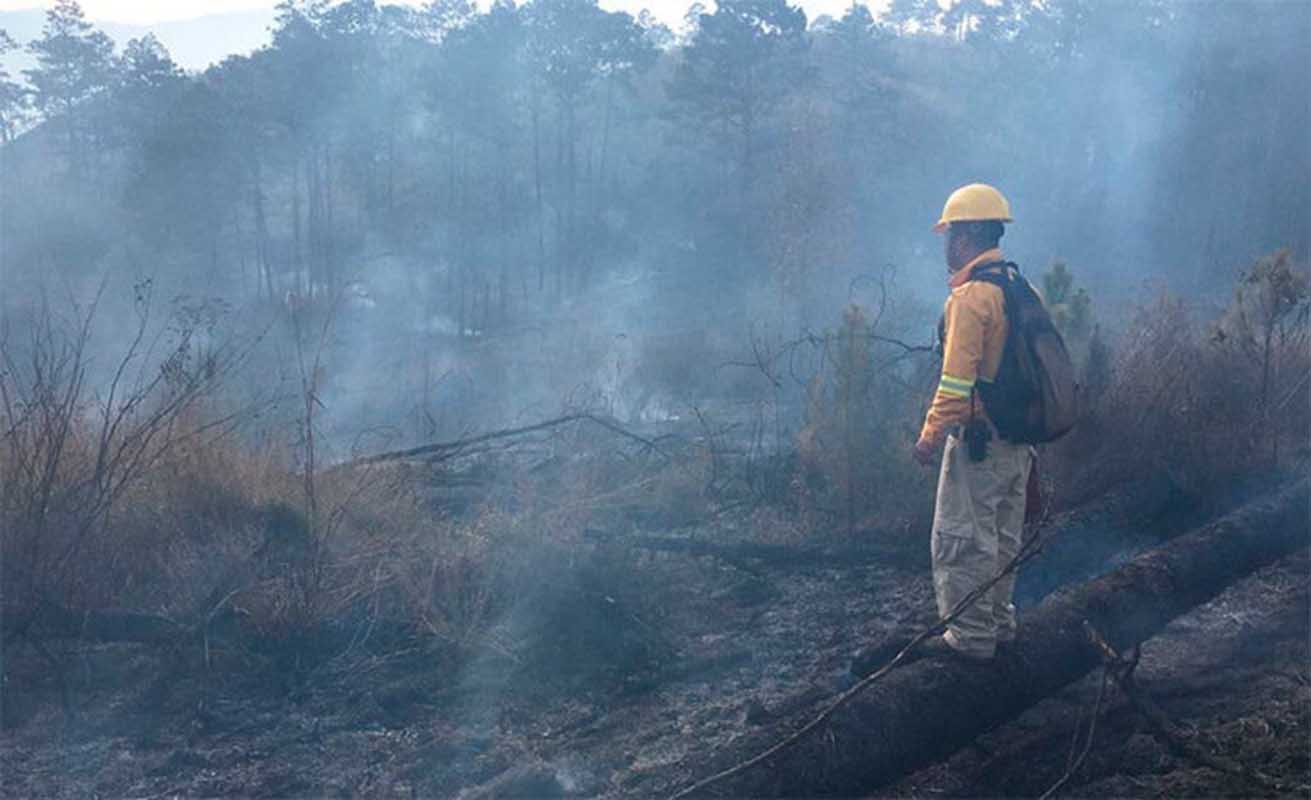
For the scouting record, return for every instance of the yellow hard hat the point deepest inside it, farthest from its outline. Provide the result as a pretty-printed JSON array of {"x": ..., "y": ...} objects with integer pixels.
[{"x": 974, "y": 203}]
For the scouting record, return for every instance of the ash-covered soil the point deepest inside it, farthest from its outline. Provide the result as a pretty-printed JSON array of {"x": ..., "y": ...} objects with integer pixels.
[{"x": 619, "y": 697}]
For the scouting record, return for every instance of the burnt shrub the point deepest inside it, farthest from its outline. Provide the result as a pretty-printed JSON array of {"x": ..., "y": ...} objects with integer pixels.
[
  {"x": 1203, "y": 403},
  {"x": 78, "y": 444},
  {"x": 853, "y": 470}
]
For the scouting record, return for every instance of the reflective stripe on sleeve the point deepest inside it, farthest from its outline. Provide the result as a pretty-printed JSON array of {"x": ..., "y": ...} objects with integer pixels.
[{"x": 952, "y": 386}]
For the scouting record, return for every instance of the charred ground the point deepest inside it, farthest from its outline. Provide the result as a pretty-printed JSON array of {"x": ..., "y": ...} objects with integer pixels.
[{"x": 608, "y": 702}]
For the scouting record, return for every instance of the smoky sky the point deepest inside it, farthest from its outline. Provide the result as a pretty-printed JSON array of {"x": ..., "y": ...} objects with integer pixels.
[{"x": 147, "y": 12}]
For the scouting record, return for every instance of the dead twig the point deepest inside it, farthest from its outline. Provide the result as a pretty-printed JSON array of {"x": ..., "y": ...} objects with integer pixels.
[
  {"x": 765, "y": 359},
  {"x": 1112, "y": 664},
  {"x": 1168, "y": 732},
  {"x": 441, "y": 451},
  {"x": 1073, "y": 763}
]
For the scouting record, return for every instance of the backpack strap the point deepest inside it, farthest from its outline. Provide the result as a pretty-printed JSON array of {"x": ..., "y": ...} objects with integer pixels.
[
  {"x": 998, "y": 273},
  {"x": 995, "y": 272}
]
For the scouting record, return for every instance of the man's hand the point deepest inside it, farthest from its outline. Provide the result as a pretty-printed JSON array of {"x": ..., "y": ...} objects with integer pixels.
[{"x": 924, "y": 452}]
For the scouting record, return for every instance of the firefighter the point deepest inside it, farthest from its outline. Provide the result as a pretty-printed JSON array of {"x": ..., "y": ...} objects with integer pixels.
[{"x": 978, "y": 517}]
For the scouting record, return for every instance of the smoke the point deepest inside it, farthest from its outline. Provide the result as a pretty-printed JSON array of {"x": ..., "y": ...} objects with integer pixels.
[{"x": 484, "y": 247}]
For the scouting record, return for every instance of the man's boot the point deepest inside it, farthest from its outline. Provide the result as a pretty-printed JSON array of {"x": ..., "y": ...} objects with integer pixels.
[
  {"x": 938, "y": 649},
  {"x": 873, "y": 657}
]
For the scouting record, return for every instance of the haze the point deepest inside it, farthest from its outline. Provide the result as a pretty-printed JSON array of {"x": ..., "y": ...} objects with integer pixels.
[
  {"x": 148, "y": 12},
  {"x": 530, "y": 401}
]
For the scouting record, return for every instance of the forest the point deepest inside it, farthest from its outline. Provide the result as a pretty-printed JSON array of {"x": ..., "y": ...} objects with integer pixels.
[{"x": 517, "y": 399}]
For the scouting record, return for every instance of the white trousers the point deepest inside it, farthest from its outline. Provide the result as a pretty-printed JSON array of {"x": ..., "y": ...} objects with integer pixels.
[{"x": 978, "y": 522}]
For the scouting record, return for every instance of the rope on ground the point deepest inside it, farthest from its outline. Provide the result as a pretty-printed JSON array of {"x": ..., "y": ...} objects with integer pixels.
[{"x": 1030, "y": 549}]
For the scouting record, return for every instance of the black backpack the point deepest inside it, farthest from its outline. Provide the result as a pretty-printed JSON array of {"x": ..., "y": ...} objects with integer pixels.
[{"x": 1034, "y": 398}]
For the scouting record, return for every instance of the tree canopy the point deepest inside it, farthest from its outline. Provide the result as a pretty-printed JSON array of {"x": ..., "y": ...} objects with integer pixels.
[{"x": 518, "y": 156}]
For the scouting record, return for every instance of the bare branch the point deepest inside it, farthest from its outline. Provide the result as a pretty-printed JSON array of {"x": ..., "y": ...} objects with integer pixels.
[{"x": 442, "y": 451}]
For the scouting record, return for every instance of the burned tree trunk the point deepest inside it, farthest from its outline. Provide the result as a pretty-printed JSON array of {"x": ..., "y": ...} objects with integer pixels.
[{"x": 923, "y": 712}]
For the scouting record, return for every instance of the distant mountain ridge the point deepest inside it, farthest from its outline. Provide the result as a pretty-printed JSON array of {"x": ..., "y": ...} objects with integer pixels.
[{"x": 194, "y": 43}]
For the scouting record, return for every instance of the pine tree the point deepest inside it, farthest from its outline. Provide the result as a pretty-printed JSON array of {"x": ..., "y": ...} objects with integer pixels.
[
  {"x": 75, "y": 65},
  {"x": 742, "y": 62},
  {"x": 13, "y": 96}
]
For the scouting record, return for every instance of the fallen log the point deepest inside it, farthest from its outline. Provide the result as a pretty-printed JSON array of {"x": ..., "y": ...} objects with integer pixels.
[{"x": 923, "y": 712}]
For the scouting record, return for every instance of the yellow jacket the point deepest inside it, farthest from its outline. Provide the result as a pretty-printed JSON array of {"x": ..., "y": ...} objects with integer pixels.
[{"x": 975, "y": 317}]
